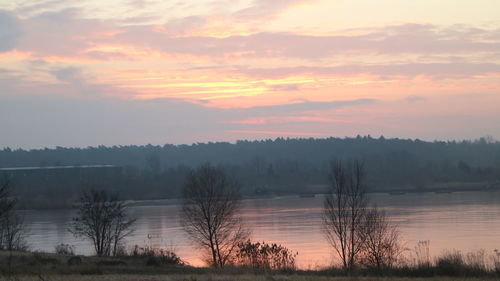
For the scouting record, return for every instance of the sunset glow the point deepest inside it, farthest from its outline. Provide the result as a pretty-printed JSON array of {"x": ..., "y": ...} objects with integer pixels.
[{"x": 250, "y": 69}]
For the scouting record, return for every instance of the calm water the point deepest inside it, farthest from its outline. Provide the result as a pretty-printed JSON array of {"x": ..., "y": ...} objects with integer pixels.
[{"x": 462, "y": 220}]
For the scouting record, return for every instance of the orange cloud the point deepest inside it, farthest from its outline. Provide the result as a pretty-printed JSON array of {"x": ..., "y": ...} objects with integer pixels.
[{"x": 14, "y": 55}]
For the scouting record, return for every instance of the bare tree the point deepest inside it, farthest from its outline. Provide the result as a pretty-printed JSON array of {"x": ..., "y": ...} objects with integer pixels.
[
  {"x": 6, "y": 202},
  {"x": 344, "y": 211},
  {"x": 12, "y": 227},
  {"x": 122, "y": 227},
  {"x": 382, "y": 242},
  {"x": 102, "y": 219},
  {"x": 209, "y": 213},
  {"x": 13, "y": 232}
]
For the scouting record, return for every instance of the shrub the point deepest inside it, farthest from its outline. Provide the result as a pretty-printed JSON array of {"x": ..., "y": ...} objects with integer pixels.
[
  {"x": 265, "y": 256},
  {"x": 121, "y": 250},
  {"x": 496, "y": 261},
  {"x": 157, "y": 256},
  {"x": 450, "y": 263},
  {"x": 74, "y": 260},
  {"x": 12, "y": 232},
  {"x": 153, "y": 261},
  {"x": 382, "y": 247},
  {"x": 422, "y": 255},
  {"x": 65, "y": 249},
  {"x": 41, "y": 258},
  {"x": 476, "y": 262}
]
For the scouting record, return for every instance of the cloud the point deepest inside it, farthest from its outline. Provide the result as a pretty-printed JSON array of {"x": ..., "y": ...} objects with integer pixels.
[
  {"x": 302, "y": 106},
  {"x": 71, "y": 81},
  {"x": 68, "y": 74},
  {"x": 184, "y": 25},
  {"x": 414, "y": 98},
  {"x": 10, "y": 31},
  {"x": 246, "y": 133},
  {"x": 286, "y": 87},
  {"x": 140, "y": 4},
  {"x": 223, "y": 19},
  {"x": 78, "y": 83},
  {"x": 437, "y": 70},
  {"x": 289, "y": 120},
  {"x": 35, "y": 120},
  {"x": 31, "y": 8},
  {"x": 264, "y": 9},
  {"x": 67, "y": 33},
  {"x": 392, "y": 40},
  {"x": 62, "y": 33}
]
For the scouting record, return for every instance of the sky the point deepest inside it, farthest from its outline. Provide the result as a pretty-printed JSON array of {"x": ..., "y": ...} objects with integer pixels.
[{"x": 118, "y": 72}]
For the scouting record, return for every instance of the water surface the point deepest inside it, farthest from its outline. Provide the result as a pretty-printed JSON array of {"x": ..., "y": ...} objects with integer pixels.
[{"x": 462, "y": 220}]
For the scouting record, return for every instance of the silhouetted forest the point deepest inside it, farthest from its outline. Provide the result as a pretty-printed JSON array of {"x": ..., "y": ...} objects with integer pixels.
[{"x": 263, "y": 168}]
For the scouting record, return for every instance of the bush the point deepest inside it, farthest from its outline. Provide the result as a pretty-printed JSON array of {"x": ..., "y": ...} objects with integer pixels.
[
  {"x": 450, "y": 264},
  {"x": 13, "y": 232},
  {"x": 476, "y": 262},
  {"x": 157, "y": 256},
  {"x": 496, "y": 261},
  {"x": 120, "y": 250},
  {"x": 65, "y": 249},
  {"x": 265, "y": 256},
  {"x": 422, "y": 255},
  {"x": 41, "y": 258}
]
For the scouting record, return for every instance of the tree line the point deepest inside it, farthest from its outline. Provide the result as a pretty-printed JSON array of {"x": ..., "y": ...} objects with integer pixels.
[{"x": 280, "y": 166}]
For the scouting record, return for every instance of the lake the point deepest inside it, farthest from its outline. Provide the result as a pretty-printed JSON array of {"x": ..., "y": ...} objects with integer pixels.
[{"x": 465, "y": 221}]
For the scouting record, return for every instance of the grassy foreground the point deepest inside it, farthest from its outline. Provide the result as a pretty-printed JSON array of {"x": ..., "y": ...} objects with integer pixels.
[
  {"x": 223, "y": 277},
  {"x": 20, "y": 266}
]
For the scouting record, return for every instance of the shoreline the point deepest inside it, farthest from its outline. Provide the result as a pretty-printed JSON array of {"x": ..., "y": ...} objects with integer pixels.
[{"x": 444, "y": 189}]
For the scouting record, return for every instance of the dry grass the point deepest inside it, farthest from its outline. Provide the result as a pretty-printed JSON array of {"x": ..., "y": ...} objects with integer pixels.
[
  {"x": 50, "y": 267},
  {"x": 223, "y": 277}
]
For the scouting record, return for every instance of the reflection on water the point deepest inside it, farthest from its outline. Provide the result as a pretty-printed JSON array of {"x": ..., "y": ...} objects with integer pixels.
[{"x": 462, "y": 220}]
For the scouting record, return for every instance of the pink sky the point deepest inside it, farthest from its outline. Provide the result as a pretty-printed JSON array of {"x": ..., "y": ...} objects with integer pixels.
[{"x": 79, "y": 73}]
